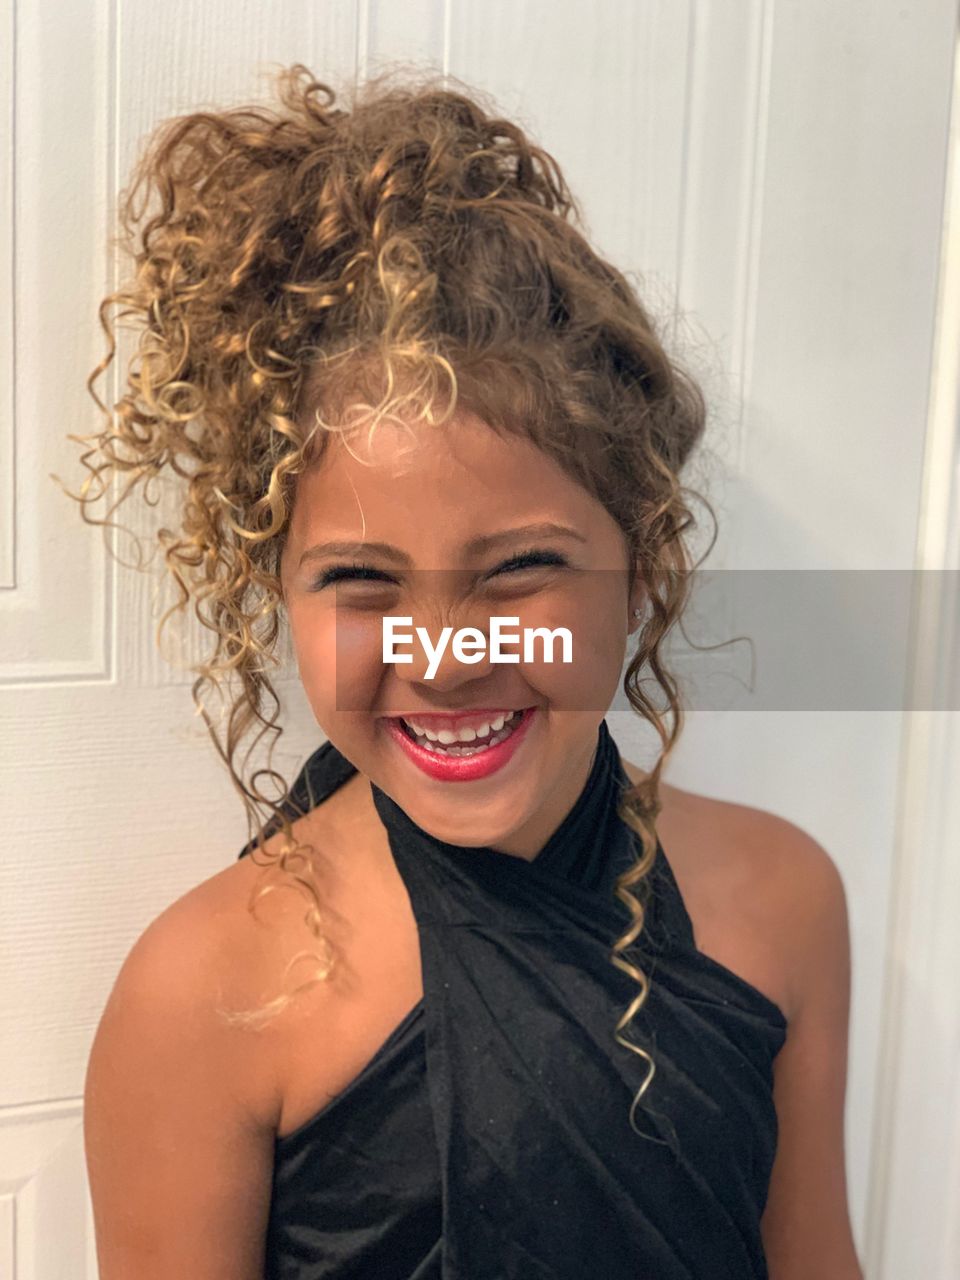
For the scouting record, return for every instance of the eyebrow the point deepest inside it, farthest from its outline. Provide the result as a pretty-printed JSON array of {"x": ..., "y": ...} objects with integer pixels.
[{"x": 476, "y": 546}]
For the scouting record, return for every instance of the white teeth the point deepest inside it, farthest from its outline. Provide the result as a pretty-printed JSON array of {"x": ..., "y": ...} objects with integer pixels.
[
  {"x": 458, "y": 743},
  {"x": 446, "y": 737}
]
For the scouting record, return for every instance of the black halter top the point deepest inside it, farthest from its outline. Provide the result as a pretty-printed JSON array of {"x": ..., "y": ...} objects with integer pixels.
[{"x": 489, "y": 1138}]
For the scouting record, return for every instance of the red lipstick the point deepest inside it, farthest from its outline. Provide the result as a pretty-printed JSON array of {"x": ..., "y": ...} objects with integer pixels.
[{"x": 447, "y": 768}]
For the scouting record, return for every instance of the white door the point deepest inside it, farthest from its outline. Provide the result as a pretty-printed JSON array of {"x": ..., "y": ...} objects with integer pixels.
[{"x": 778, "y": 166}]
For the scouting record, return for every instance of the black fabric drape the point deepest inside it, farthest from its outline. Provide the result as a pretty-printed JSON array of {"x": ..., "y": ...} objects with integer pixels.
[{"x": 489, "y": 1137}]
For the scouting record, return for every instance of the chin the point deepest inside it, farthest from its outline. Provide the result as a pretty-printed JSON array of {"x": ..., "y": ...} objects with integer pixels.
[{"x": 483, "y": 822}]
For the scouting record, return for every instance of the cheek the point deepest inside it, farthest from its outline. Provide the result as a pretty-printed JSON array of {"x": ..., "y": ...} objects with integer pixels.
[
  {"x": 313, "y": 652},
  {"x": 339, "y": 656},
  {"x": 592, "y": 616}
]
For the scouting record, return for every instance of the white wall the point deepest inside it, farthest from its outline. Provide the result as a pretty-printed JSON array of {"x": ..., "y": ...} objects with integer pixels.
[{"x": 780, "y": 167}]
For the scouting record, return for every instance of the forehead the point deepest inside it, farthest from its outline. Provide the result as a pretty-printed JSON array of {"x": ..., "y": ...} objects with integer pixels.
[
  {"x": 402, "y": 465},
  {"x": 432, "y": 493}
]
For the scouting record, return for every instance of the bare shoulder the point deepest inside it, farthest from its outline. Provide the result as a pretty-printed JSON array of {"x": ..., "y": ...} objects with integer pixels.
[
  {"x": 182, "y": 1101},
  {"x": 765, "y": 897},
  {"x": 193, "y": 965},
  {"x": 178, "y": 1115},
  {"x": 221, "y": 946},
  {"x": 330, "y": 1024},
  {"x": 256, "y": 914}
]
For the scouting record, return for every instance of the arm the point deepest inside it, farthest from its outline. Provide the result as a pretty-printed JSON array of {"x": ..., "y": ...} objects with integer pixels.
[
  {"x": 806, "y": 1225},
  {"x": 179, "y": 1151}
]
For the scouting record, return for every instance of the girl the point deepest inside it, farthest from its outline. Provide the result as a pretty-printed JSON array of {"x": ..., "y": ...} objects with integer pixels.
[{"x": 398, "y": 384}]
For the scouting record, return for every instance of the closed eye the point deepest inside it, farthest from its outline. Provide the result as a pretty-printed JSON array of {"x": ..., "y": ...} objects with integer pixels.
[
  {"x": 527, "y": 559},
  {"x": 347, "y": 572},
  {"x": 366, "y": 572}
]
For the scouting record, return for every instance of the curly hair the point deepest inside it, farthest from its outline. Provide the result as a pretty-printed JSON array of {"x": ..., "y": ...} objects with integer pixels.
[{"x": 420, "y": 250}]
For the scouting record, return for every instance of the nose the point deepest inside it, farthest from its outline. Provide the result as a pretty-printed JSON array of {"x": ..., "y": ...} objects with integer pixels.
[
  {"x": 447, "y": 672},
  {"x": 437, "y": 661}
]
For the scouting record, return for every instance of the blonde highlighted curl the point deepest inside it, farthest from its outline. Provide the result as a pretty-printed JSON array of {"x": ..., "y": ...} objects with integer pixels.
[{"x": 420, "y": 251}]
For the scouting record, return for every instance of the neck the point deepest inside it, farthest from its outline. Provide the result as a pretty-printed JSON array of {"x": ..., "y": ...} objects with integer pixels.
[{"x": 527, "y": 841}]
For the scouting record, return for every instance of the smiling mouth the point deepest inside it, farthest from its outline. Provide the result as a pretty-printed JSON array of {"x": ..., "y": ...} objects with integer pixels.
[{"x": 445, "y": 743}]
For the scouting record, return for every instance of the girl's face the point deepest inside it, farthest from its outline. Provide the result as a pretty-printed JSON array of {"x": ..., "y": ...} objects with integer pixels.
[{"x": 437, "y": 518}]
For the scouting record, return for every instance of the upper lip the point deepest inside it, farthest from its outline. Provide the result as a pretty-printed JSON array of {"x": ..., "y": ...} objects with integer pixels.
[{"x": 454, "y": 720}]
